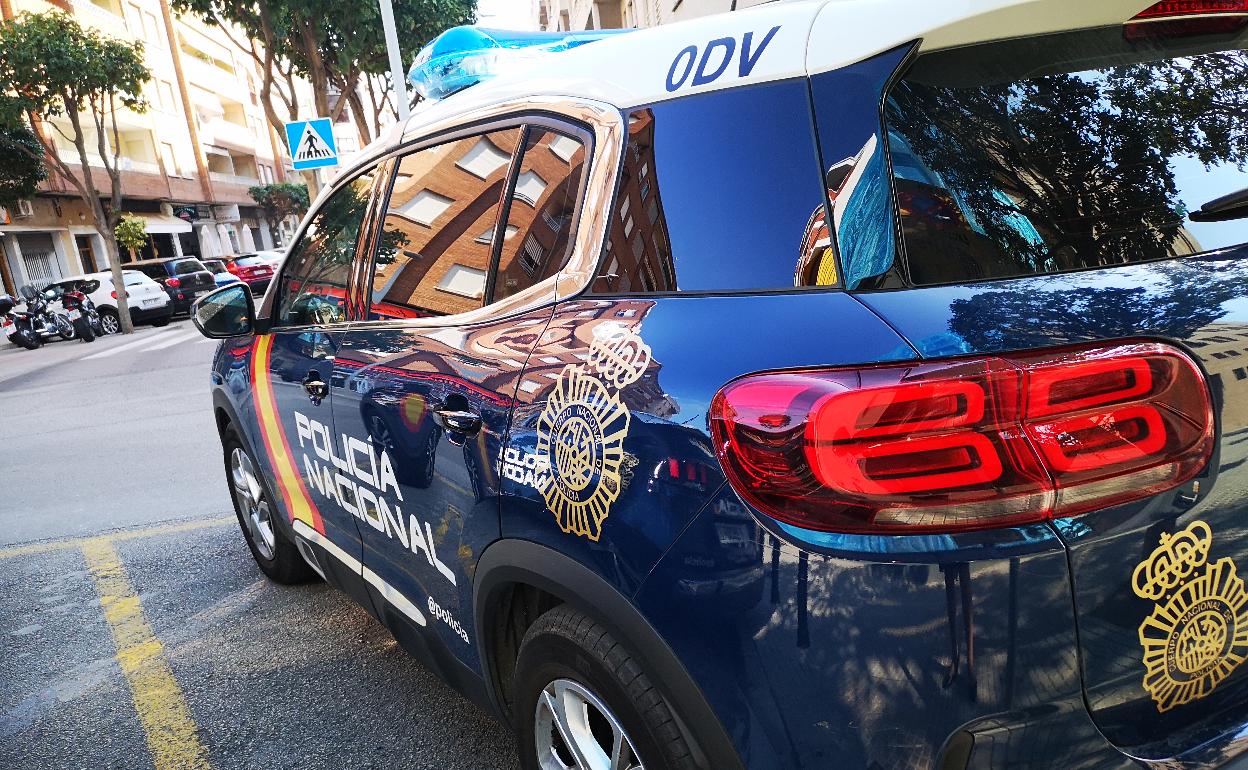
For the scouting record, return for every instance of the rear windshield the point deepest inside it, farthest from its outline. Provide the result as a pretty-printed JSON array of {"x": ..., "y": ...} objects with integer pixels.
[
  {"x": 250, "y": 261},
  {"x": 184, "y": 266},
  {"x": 132, "y": 279},
  {"x": 1069, "y": 151}
]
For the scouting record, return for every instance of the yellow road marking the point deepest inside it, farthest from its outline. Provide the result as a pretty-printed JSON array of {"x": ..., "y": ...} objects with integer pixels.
[
  {"x": 133, "y": 534},
  {"x": 172, "y": 738}
]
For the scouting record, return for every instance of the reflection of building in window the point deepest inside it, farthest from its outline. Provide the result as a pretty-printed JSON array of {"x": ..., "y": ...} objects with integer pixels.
[
  {"x": 443, "y": 210},
  {"x": 426, "y": 207},
  {"x": 529, "y": 187},
  {"x": 639, "y": 256},
  {"x": 483, "y": 159},
  {"x": 548, "y": 184},
  {"x": 464, "y": 281}
]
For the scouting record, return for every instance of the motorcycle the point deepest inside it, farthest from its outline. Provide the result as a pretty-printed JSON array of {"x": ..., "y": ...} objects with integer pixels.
[
  {"x": 43, "y": 320},
  {"x": 82, "y": 314},
  {"x": 17, "y": 327}
]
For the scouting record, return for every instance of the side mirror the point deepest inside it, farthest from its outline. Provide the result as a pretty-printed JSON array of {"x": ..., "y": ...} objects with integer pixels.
[{"x": 226, "y": 312}]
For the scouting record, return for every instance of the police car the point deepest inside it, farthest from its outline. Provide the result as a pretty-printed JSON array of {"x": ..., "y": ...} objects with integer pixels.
[{"x": 826, "y": 384}]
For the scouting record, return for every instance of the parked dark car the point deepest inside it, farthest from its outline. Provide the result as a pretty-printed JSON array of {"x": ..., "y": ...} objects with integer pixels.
[{"x": 184, "y": 278}]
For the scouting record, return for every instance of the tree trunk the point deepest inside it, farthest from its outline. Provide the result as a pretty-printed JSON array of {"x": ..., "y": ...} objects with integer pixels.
[{"x": 103, "y": 223}]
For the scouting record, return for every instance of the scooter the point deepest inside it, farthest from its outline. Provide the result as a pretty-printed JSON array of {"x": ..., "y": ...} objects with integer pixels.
[
  {"x": 45, "y": 322},
  {"x": 82, "y": 314},
  {"x": 17, "y": 327}
]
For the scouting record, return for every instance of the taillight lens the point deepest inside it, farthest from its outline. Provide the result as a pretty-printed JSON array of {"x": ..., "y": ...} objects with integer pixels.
[
  {"x": 1182, "y": 18},
  {"x": 965, "y": 444},
  {"x": 174, "y": 282}
]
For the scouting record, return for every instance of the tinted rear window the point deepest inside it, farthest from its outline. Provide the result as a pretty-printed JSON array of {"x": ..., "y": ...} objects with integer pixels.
[
  {"x": 184, "y": 266},
  {"x": 1067, "y": 152}
]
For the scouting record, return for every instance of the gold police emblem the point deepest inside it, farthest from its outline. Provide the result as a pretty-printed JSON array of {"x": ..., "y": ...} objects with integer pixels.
[
  {"x": 1197, "y": 633},
  {"x": 581, "y": 432}
]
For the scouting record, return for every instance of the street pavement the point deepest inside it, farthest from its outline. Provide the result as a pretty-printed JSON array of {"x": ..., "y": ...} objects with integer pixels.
[{"x": 137, "y": 630}]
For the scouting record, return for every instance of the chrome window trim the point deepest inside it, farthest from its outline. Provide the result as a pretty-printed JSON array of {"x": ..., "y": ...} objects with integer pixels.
[{"x": 610, "y": 130}]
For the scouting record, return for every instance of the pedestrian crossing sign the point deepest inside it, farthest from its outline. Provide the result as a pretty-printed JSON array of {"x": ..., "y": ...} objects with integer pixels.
[{"x": 311, "y": 143}]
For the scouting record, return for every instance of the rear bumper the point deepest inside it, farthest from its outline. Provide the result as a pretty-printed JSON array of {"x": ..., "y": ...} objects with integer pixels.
[
  {"x": 140, "y": 314},
  {"x": 949, "y": 652}
]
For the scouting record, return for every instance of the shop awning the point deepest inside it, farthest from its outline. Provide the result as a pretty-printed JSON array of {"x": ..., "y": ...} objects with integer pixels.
[{"x": 159, "y": 223}]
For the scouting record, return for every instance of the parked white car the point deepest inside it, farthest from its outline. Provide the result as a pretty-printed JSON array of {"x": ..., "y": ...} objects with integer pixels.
[{"x": 149, "y": 302}]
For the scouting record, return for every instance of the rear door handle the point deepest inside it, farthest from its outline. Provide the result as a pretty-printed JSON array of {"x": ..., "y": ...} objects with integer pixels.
[
  {"x": 465, "y": 423},
  {"x": 316, "y": 388}
]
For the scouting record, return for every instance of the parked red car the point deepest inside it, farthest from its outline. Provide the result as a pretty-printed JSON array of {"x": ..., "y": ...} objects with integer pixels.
[{"x": 256, "y": 272}]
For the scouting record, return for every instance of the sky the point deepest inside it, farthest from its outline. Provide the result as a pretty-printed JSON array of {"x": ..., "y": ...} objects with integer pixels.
[{"x": 507, "y": 14}]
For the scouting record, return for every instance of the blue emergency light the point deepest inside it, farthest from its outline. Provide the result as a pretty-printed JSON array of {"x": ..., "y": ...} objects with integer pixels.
[{"x": 463, "y": 56}]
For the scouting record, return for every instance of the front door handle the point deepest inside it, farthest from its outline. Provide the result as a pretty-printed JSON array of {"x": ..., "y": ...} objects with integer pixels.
[
  {"x": 316, "y": 388},
  {"x": 465, "y": 423}
]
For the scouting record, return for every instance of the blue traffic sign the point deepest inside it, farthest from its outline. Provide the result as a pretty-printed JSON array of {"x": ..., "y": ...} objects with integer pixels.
[{"x": 311, "y": 143}]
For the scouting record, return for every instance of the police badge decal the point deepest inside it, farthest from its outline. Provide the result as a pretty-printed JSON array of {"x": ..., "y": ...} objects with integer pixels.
[
  {"x": 581, "y": 431},
  {"x": 1197, "y": 633}
]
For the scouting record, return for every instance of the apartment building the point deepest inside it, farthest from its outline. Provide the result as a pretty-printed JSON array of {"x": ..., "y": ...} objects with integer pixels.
[
  {"x": 609, "y": 14},
  {"x": 187, "y": 162}
]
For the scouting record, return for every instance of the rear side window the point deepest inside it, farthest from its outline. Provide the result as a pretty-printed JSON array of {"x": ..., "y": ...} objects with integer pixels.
[
  {"x": 716, "y": 193},
  {"x": 184, "y": 266},
  {"x": 435, "y": 248},
  {"x": 1067, "y": 152}
]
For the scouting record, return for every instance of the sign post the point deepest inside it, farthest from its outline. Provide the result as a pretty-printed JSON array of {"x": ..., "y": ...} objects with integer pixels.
[
  {"x": 312, "y": 143},
  {"x": 398, "y": 79}
]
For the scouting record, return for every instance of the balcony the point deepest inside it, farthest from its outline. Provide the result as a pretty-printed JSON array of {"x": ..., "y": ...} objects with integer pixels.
[
  {"x": 223, "y": 132},
  {"x": 105, "y": 21},
  {"x": 206, "y": 75},
  {"x": 248, "y": 181}
]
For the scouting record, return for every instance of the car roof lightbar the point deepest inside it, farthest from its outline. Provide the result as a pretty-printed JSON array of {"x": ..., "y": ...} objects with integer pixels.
[{"x": 464, "y": 56}]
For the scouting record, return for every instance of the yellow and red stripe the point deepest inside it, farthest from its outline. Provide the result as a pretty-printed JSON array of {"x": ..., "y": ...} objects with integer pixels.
[{"x": 298, "y": 503}]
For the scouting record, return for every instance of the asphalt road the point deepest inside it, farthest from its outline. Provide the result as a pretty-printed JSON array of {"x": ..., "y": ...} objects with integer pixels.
[{"x": 138, "y": 633}]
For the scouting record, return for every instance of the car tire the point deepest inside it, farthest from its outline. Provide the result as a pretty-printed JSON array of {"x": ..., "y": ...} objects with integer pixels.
[
  {"x": 110, "y": 321},
  {"x": 276, "y": 555},
  {"x": 568, "y": 658},
  {"x": 162, "y": 321}
]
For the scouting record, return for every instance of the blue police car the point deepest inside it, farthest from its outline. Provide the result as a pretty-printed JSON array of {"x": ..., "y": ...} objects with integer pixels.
[{"x": 826, "y": 384}]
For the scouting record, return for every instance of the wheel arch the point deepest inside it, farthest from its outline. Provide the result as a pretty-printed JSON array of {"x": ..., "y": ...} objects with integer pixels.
[{"x": 511, "y": 568}]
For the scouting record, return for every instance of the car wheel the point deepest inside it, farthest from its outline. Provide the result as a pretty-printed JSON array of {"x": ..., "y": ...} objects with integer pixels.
[
  {"x": 110, "y": 321},
  {"x": 584, "y": 701},
  {"x": 276, "y": 555}
]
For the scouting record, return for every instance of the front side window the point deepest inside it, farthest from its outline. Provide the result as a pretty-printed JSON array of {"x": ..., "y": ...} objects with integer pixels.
[
  {"x": 313, "y": 286},
  {"x": 1069, "y": 151},
  {"x": 436, "y": 244}
]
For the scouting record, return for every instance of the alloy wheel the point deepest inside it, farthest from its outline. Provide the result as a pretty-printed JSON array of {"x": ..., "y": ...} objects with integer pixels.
[
  {"x": 110, "y": 324},
  {"x": 576, "y": 731},
  {"x": 252, "y": 503}
]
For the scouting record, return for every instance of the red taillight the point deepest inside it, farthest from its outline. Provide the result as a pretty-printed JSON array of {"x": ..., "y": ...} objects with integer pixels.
[
  {"x": 174, "y": 282},
  {"x": 965, "y": 444},
  {"x": 1180, "y": 18},
  {"x": 114, "y": 293}
]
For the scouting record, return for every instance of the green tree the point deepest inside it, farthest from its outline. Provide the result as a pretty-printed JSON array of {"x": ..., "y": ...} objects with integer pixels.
[
  {"x": 131, "y": 233},
  {"x": 279, "y": 201},
  {"x": 75, "y": 82},
  {"x": 336, "y": 46},
  {"x": 23, "y": 168}
]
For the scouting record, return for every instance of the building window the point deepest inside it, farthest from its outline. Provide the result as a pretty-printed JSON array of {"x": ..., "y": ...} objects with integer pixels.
[
  {"x": 483, "y": 159},
  {"x": 564, "y": 147},
  {"x": 464, "y": 281},
  {"x": 529, "y": 187},
  {"x": 427, "y": 206},
  {"x": 532, "y": 256}
]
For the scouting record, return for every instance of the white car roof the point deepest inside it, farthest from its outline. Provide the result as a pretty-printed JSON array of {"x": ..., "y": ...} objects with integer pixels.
[{"x": 770, "y": 42}]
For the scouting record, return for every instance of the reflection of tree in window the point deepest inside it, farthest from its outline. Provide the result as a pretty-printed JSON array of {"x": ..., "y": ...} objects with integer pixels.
[
  {"x": 539, "y": 221},
  {"x": 1063, "y": 171},
  {"x": 440, "y": 220},
  {"x": 314, "y": 286}
]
